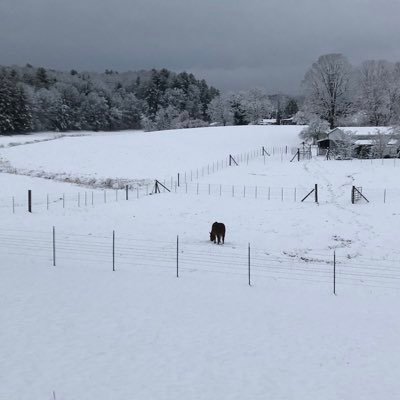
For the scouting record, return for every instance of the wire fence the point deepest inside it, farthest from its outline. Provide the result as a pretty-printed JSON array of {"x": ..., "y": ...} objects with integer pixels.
[
  {"x": 84, "y": 198},
  {"x": 179, "y": 257},
  {"x": 189, "y": 182}
]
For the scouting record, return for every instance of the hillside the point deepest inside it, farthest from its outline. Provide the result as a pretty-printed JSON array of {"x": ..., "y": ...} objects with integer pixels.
[{"x": 85, "y": 331}]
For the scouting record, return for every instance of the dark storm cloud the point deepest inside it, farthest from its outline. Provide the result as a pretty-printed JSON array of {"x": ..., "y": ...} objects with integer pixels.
[{"x": 232, "y": 43}]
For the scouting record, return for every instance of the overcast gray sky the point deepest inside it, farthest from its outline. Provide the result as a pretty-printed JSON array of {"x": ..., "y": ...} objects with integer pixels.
[{"x": 234, "y": 44}]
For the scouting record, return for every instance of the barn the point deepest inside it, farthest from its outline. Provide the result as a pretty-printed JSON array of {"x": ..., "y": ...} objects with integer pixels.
[{"x": 364, "y": 142}]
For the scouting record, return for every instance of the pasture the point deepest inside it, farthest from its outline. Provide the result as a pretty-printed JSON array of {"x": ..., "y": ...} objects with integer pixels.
[{"x": 83, "y": 331}]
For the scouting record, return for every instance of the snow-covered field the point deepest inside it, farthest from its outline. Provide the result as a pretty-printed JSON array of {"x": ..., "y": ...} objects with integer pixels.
[{"x": 85, "y": 332}]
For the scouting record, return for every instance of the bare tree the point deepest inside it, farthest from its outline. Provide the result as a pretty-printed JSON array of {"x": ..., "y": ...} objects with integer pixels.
[
  {"x": 327, "y": 86},
  {"x": 373, "y": 91}
]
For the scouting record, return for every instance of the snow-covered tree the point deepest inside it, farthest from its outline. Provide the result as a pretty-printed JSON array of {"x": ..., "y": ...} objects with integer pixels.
[
  {"x": 345, "y": 145},
  {"x": 219, "y": 110},
  {"x": 327, "y": 87},
  {"x": 256, "y": 105},
  {"x": 15, "y": 111},
  {"x": 373, "y": 95},
  {"x": 316, "y": 128},
  {"x": 380, "y": 144}
]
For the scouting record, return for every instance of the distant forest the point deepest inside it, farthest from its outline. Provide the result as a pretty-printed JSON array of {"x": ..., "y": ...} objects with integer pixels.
[
  {"x": 335, "y": 93},
  {"x": 35, "y": 99}
]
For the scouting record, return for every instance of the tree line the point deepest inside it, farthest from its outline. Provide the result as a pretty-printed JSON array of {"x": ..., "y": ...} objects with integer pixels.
[
  {"x": 35, "y": 99},
  {"x": 335, "y": 93},
  {"x": 341, "y": 94}
]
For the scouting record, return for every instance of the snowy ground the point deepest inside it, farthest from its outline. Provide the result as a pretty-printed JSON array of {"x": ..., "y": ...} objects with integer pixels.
[{"x": 85, "y": 332}]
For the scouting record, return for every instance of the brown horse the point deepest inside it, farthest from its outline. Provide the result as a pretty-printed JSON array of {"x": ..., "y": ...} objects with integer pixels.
[{"x": 217, "y": 232}]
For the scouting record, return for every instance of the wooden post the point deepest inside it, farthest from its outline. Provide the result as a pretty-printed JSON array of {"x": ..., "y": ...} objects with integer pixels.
[
  {"x": 197, "y": 187},
  {"x": 316, "y": 193},
  {"x": 352, "y": 194},
  {"x": 298, "y": 154},
  {"x": 30, "y": 201},
  {"x": 116, "y": 193},
  {"x": 384, "y": 196},
  {"x": 178, "y": 180},
  {"x": 177, "y": 256},
  {"x": 126, "y": 192},
  {"x": 113, "y": 251},
  {"x": 13, "y": 205},
  {"x": 92, "y": 199},
  {"x": 54, "y": 246}
]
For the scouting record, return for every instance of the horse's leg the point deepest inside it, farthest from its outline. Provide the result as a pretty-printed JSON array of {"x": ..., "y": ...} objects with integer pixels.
[
  {"x": 219, "y": 239},
  {"x": 223, "y": 239}
]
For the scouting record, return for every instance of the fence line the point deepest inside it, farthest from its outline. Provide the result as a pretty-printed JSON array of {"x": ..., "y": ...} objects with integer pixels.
[
  {"x": 84, "y": 199},
  {"x": 116, "y": 250}
]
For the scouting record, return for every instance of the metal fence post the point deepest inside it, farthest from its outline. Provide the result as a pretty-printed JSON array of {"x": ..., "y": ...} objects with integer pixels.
[
  {"x": 177, "y": 256},
  {"x": 54, "y": 246}
]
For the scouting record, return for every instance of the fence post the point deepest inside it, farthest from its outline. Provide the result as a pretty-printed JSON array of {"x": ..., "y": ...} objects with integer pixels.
[
  {"x": 316, "y": 193},
  {"x": 13, "y": 205},
  {"x": 249, "y": 265},
  {"x": 177, "y": 256},
  {"x": 126, "y": 193},
  {"x": 334, "y": 272},
  {"x": 113, "y": 251},
  {"x": 352, "y": 195},
  {"x": 30, "y": 201},
  {"x": 384, "y": 196},
  {"x": 54, "y": 246},
  {"x": 178, "y": 179}
]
